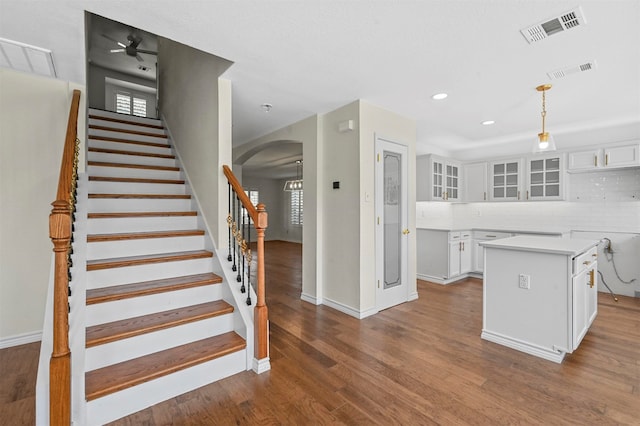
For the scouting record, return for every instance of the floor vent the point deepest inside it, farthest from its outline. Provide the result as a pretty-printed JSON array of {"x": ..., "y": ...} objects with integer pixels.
[
  {"x": 566, "y": 21},
  {"x": 563, "y": 72}
]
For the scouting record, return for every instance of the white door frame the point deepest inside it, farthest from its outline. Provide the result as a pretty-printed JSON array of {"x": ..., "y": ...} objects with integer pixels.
[{"x": 386, "y": 298}]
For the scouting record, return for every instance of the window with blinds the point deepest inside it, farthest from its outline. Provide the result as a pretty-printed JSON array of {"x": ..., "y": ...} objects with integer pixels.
[
  {"x": 296, "y": 210},
  {"x": 127, "y": 104}
]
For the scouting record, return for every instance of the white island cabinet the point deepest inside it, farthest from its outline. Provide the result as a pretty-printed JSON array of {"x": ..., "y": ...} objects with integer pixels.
[{"x": 540, "y": 293}]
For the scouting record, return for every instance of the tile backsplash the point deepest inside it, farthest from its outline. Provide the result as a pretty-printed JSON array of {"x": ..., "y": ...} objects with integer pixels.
[{"x": 597, "y": 201}]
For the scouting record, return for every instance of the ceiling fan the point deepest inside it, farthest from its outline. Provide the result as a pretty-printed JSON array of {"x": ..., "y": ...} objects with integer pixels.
[{"x": 132, "y": 48}]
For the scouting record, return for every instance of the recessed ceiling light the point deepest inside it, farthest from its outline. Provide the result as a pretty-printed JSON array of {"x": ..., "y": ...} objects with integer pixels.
[
  {"x": 439, "y": 96},
  {"x": 488, "y": 122},
  {"x": 266, "y": 107}
]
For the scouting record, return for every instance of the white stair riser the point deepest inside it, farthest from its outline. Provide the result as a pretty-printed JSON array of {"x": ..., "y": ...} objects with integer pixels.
[
  {"x": 138, "y": 273},
  {"x": 110, "y": 205},
  {"x": 132, "y": 172},
  {"x": 141, "y": 224},
  {"x": 131, "y": 159},
  {"x": 106, "y": 187},
  {"x": 127, "y": 136},
  {"x": 128, "y": 401},
  {"x": 123, "y": 146},
  {"x": 123, "y": 248},
  {"x": 101, "y": 313},
  {"x": 145, "y": 344},
  {"x": 117, "y": 116},
  {"x": 126, "y": 126}
]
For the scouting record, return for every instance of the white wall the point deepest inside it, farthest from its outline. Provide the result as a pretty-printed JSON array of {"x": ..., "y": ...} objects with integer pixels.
[
  {"x": 196, "y": 106},
  {"x": 274, "y": 198},
  {"x": 375, "y": 121},
  {"x": 33, "y": 120}
]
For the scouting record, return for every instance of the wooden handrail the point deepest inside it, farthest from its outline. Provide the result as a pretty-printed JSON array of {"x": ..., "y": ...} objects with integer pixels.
[
  {"x": 60, "y": 221},
  {"x": 258, "y": 215}
]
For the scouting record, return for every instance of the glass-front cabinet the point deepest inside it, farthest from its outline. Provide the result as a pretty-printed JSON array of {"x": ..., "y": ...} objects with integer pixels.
[
  {"x": 506, "y": 180},
  {"x": 545, "y": 178},
  {"x": 438, "y": 179}
]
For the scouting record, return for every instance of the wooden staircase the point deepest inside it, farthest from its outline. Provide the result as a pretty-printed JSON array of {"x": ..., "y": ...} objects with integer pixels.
[{"x": 159, "y": 320}]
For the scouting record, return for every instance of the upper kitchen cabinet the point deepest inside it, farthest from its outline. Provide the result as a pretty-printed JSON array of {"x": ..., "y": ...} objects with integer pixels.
[
  {"x": 605, "y": 158},
  {"x": 474, "y": 182},
  {"x": 545, "y": 178},
  {"x": 438, "y": 179},
  {"x": 505, "y": 180}
]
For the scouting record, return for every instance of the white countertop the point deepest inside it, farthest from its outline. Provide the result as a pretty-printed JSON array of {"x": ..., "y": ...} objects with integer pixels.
[
  {"x": 567, "y": 246},
  {"x": 545, "y": 231}
]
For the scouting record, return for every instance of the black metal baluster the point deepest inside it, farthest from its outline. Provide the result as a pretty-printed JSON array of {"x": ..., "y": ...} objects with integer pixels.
[
  {"x": 239, "y": 240},
  {"x": 229, "y": 220},
  {"x": 234, "y": 230},
  {"x": 249, "y": 258},
  {"x": 244, "y": 252}
]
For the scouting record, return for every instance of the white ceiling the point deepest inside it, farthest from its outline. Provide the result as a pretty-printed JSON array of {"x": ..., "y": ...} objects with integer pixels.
[{"x": 308, "y": 57}]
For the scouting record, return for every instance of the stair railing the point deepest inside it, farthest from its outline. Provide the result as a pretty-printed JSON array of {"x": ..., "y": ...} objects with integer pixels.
[
  {"x": 60, "y": 232},
  {"x": 243, "y": 215}
]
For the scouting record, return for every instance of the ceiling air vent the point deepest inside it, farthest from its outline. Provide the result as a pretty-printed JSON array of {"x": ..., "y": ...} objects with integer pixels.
[
  {"x": 566, "y": 21},
  {"x": 563, "y": 72}
]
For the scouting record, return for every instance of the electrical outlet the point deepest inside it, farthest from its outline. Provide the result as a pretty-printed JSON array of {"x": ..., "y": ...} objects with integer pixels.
[{"x": 524, "y": 281}]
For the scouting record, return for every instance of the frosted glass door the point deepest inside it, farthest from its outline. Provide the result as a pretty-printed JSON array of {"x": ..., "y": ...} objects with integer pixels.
[{"x": 392, "y": 218}]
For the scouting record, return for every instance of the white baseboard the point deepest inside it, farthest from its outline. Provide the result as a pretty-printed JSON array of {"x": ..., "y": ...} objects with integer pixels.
[
  {"x": 445, "y": 281},
  {"x": 348, "y": 309},
  {"x": 549, "y": 354},
  {"x": 412, "y": 296},
  {"x": 20, "y": 339},
  {"x": 310, "y": 299}
]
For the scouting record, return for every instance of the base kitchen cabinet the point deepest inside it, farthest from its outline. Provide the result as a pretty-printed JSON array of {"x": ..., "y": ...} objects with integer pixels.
[
  {"x": 540, "y": 293},
  {"x": 443, "y": 256}
]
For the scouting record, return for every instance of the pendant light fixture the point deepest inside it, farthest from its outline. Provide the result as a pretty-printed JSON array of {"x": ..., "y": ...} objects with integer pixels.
[
  {"x": 544, "y": 142},
  {"x": 295, "y": 185}
]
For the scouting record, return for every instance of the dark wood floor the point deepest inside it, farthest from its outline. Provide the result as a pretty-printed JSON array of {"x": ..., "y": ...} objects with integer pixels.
[{"x": 418, "y": 363}]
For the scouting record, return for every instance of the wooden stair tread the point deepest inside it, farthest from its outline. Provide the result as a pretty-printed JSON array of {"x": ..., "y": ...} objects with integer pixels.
[
  {"x": 114, "y": 215},
  {"x": 135, "y": 180},
  {"x": 95, "y": 238},
  {"x": 125, "y": 121},
  {"x": 127, "y": 291},
  {"x": 133, "y": 166},
  {"x": 146, "y": 196},
  {"x": 120, "y": 262},
  {"x": 129, "y": 141},
  {"x": 133, "y": 132},
  {"x": 132, "y": 153},
  {"x": 107, "y": 380},
  {"x": 117, "y": 330}
]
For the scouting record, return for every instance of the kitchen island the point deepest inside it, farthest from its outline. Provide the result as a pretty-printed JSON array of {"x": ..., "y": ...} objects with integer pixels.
[{"x": 539, "y": 293}]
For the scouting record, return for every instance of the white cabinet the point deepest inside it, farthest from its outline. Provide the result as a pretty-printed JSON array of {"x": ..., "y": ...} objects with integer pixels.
[
  {"x": 459, "y": 253},
  {"x": 540, "y": 294},
  {"x": 474, "y": 182},
  {"x": 438, "y": 179},
  {"x": 505, "y": 180},
  {"x": 443, "y": 256},
  {"x": 604, "y": 158},
  {"x": 545, "y": 178}
]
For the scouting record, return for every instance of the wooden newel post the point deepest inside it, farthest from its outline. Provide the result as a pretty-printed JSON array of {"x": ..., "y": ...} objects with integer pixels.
[
  {"x": 261, "y": 313},
  {"x": 60, "y": 364}
]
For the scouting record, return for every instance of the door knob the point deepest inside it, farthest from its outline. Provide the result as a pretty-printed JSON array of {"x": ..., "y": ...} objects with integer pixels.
[{"x": 405, "y": 232}]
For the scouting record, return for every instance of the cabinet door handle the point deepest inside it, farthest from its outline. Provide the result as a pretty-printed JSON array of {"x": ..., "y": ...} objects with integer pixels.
[
  {"x": 518, "y": 195},
  {"x": 592, "y": 277},
  {"x": 463, "y": 246},
  {"x": 527, "y": 194},
  {"x": 606, "y": 159},
  {"x": 586, "y": 262},
  {"x": 595, "y": 160},
  {"x": 405, "y": 232},
  {"x": 485, "y": 196}
]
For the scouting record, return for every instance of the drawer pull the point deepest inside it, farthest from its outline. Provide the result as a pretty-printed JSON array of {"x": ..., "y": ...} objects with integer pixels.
[
  {"x": 586, "y": 262},
  {"x": 491, "y": 236},
  {"x": 592, "y": 277}
]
